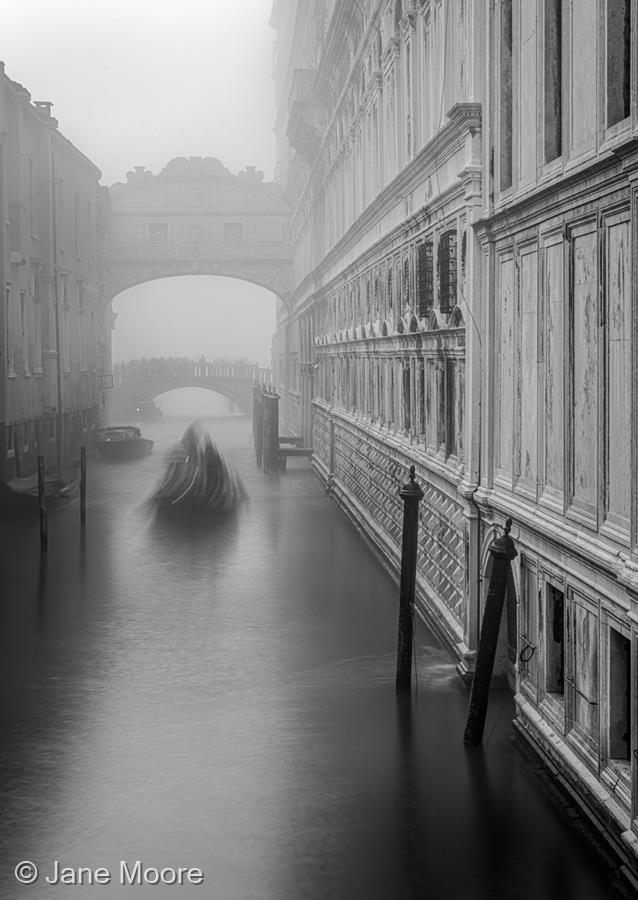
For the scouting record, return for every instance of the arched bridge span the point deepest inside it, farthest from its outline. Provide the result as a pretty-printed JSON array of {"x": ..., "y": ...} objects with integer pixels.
[
  {"x": 147, "y": 379},
  {"x": 196, "y": 218}
]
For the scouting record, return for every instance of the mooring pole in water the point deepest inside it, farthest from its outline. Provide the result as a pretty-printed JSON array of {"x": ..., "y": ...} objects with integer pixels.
[
  {"x": 270, "y": 431},
  {"x": 256, "y": 391},
  {"x": 266, "y": 431},
  {"x": 259, "y": 426},
  {"x": 411, "y": 494},
  {"x": 82, "y": 486},
  {"x": 503, "y": 552},
  {"x": 274, "y": 432},
  {"x": 42, "y": 502}
]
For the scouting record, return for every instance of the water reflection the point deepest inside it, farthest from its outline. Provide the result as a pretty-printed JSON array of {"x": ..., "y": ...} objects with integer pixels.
[{"x": 223, "y": 696}]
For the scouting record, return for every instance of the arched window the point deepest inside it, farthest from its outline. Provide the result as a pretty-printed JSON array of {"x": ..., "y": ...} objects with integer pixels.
[{"x": 406, "y": 281}]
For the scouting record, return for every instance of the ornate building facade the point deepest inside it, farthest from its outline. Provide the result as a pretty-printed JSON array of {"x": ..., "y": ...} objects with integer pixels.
[
  {"x": 384, "y": 179},
  {"x": 55, "y": 344},
  {"x": 558, "y": 396},
  {"x": 462, "y": 180}
]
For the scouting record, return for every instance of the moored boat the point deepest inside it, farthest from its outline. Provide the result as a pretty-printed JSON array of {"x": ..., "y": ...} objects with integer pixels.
[
  {"x": 22, "y": 494},
  {"x": 122, "y": 442}
]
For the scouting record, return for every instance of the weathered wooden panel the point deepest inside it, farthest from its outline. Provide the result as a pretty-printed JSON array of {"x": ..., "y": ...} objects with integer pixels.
[
  {"x": 527, "y": 92},
  {"x": 505, "y": 363},
  {"x": 618, "y": 382},
  {"x": 583, "y": 33},
  {"x": 584, "y": 393},
  {"x": 528, "y": 375},
  {"x": 554, "y": 362},
  {"x": 583, "y": 681}
]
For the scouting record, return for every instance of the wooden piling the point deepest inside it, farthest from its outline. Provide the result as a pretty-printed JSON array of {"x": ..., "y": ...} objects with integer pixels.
[
  {"x": 42, "y": 502},
  {"x": 411, "y": 494},
  {"x": 259, "y": 427},
  {"x": 503, "y": 551},
  {"x": 270, "y": 431}
]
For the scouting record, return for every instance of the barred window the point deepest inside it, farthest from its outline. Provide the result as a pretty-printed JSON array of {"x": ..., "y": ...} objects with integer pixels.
[
  {"x": 447, "y": 270},
  {"x": 406, "y": 281},
  {"x": 426, "y": 277}
]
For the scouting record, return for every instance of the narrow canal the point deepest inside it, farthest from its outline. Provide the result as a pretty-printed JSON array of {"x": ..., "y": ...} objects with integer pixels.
[{"x": 224, "y": 699}]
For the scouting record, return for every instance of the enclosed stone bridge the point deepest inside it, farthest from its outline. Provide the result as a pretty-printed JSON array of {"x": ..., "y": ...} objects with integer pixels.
[
  {"x": 196, "y": 218},
  {"x": 148, "y": 378}
]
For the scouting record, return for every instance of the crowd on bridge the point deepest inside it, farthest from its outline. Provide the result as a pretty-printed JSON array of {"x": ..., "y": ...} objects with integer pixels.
[{"x": 181, "y": 367}]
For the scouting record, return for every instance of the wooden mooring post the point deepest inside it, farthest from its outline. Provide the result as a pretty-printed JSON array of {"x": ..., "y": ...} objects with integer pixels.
[
  {"x": 411, "y": 494},
  {"x": 270, "y": 432},
  {"x": 82, "y": 486},
  {"x": 503, "y": 552},
  {"x": 258, "y": 411},
  {"x": 42, "y": 503}
]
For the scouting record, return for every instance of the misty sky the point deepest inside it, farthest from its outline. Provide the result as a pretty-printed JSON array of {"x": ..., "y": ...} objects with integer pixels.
[{"x": 139, "y": 82}]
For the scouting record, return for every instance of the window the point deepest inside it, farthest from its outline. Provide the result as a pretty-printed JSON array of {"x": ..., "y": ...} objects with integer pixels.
[
  {"x": 398, "y": 14},
  {"x": 553, "y": 79},
  {"x": 31, "y": 196},
  {"x": 61, "y": 215},
  {"x": 407, "y": 398},
  {"x": 505, "y": 106},
  {"x": 158, "y": 233},
  {"x": 76, "y": 224},
  {"x": 618, "y": 60},
  {"x": 37, "y": 326},
  {"x": 389, "y": 297},
  {"x": 7, "y": 335},
  {"x": 554, "y": 640},
  {"x": 82, "y": 326},
  {"x": 405, "y": 286},
  {"x": 24, "y": 331},
  {"x": 450, "y": 409},
  {"x": 447, "y": 270},
  {"x": 421, "y": 399},
  {"x": 425, "y": 262},
  {"x": 619, "y": 695},
  {"x": 233, "y": 232}
]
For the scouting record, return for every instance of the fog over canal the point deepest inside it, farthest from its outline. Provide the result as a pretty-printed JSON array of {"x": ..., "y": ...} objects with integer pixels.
[{"x": 223, "y": 698}]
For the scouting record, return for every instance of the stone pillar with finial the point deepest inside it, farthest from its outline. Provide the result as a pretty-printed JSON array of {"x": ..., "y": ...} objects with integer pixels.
[
  {"x": 503, "y": 552},
  {"x": 411, "y": 494}
]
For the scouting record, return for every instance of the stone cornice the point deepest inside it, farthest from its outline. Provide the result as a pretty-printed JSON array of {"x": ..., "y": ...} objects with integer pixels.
[
  {"x": 550, "y": 198},
  {"x": 464, "y": 119}
]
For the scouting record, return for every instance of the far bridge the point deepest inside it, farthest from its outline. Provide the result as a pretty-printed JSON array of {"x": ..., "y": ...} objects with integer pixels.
[{"x": 145, "y": 379}]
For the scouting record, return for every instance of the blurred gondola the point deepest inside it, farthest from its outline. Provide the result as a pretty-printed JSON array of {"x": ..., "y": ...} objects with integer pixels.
[{"x": 197, "y": 479}]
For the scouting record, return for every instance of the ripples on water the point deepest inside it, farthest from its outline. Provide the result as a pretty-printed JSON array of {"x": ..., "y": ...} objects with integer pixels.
[{"x": 223, "y": 697}]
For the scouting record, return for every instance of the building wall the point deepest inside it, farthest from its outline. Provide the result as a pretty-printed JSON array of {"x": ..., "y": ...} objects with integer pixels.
[
  {"x": 376, "y": 362},
  {"x": 463, "y": 179},
  {"x": 52, "y": 320},
  {"x": 558, "y": 449}
]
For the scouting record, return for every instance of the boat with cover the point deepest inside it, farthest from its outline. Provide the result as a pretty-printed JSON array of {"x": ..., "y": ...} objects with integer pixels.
[
  {"x": 22, "y": 494},
  {"x": 122, "y": 442},
  {"x": 197, "y": 478}
]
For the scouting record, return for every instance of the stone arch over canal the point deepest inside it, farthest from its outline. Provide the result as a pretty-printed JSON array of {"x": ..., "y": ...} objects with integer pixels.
[
  {"x": 196, "y": 218},
  {"x": 146, "y": 379}
]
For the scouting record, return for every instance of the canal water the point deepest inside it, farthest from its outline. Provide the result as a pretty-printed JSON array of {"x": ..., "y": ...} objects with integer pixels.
[{"x": 223, "y": 698}]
